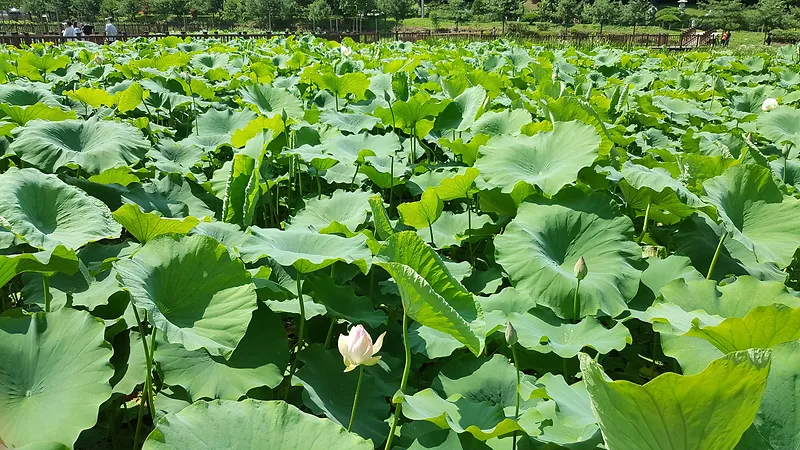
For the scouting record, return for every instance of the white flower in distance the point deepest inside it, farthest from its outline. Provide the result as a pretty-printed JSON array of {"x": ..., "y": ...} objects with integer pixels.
[
  {"x": 345, "y": 50},
  {"x": 769, "y": 104},
  {"x": 357, "y": 348},
  {"x": 98, "y": 59}
]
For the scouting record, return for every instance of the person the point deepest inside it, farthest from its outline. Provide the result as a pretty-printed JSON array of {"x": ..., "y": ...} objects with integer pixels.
[
  {"x": 769, "y": 39},
  {"x": 728, "y": 41},
  {"x": 111, "y": 30},
  {"x": 76, "y": 28},
  {"x": 724, "y": 38},
  {"x": 69, "y": 31}
]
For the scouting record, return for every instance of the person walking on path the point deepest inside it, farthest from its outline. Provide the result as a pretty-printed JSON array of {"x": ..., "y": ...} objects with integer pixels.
[{"x": 111, "y": 30}]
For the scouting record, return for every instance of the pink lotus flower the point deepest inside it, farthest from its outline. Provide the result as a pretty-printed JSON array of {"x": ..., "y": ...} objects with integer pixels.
[{"x": 357, "y": 348}]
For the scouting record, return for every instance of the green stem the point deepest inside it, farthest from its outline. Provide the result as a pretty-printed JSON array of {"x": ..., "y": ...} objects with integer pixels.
[
  {"x": 469, "y": 231},
  {"x": 644, "y": 227},
  {"x": 391, "y": 180},
  {"x": 149, "y": 379},
  {"x": 139, "y": 323},
  {"x": 46, "y": 290},
  {"x": 355, "y": 399},
  {"x": 716, "y": 255},
  {"x": 299, "y": 179},
  {"x": 300, "y": 333},
  {"x": 319, "y": 185},
  {"x": 430, "y": 228},
  {"x": 576, "y": 304},
  {"x": 329, "y": 337},
  {"x": 403, "y": 381},
  {"x": 516, "y": 408},
  {"x": 358, "y": 165}
]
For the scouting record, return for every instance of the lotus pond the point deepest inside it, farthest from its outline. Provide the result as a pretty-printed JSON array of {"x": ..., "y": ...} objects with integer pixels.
[{"x": 210, "y": 245}]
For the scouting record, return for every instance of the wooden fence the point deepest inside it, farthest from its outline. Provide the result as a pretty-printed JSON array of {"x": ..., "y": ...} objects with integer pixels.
[{"x": 686, "y": 40}]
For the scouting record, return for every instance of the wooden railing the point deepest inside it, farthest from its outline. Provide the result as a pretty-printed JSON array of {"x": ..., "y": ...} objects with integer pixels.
[{"x": 671, "y": 41}]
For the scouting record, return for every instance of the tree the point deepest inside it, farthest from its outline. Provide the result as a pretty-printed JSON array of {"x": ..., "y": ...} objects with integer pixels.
[
  {"x": 399, "y": 10},
  {"x": 547, "y": 10},
  {"x": 123, "y": 8},
  {"x": 270, "y": 10},
  {"x": 772, "y": 14},
  {"x": 724, "y": 14},
  {"x": 175, "y": 7},
  {"x": 637, "y": 12},
  {"x": 566, "y": 11},
  {"x": 479, "y": 7},
  {"x": 603, "y": 11},
  {"x": 455, "y": 10},
  {"x": 356, "y": 9},
  {"x": 319, "y": 11},
  {"x": 506, "y": 9},
  {"x": 667, "y": 17},
  {"x": 85, "y": 9}
]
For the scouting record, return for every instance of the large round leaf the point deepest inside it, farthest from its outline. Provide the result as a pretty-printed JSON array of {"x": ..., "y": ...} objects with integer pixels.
[
  {"x": 755, "y": 213},
  {"x": 192, "y": 291},
  {"x": 780, "y": 126},
  {"x": 270, "y": 100},
  {"x": 54, "y": 374},
  {"x": 95, "y": 145},
  {"x": 347, "y": 208},
  {"x": 253, "y": 364},
  {"x": 252, "y": 424},
  {"x": 542, "y": 244},
  {"x": 305, "y": 250},
  {"x": 47, "y": 212},
  {"x": 549, "y": 160}
]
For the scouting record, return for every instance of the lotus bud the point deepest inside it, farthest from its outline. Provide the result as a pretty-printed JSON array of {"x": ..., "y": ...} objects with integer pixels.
[
  {"x": 284, "y": 115},
  {"x": 357, "y": 348},
  {"x": 98, "y": 59},
  {"x": 511, "y": 334},
  {"x": 580, "y": 270},
  {"x": 769, "y": 104},
  {"x": 345, "y": 50},
  {"x": 387, "y": 97}
]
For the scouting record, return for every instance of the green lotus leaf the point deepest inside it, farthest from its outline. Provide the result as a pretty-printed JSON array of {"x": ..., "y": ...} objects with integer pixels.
[
  {"x": 699, "y": 238},
  {"x": 93, "y": 97},
  {"x": 429, "y": 292},
  {"x": 305, "y": 250},
  {"x": 668, "y": 199},
  {"x": 763, "y": 327},
  {"x": 342, "y": 302},
  {"x": 242, "y": 190},
  {"x": 431, "y": 343},
  {"x": 223, "y": 123},
  {"x": 57, "y": 259},
  {"x": 347, "y": 208},
  {"x": 274, "y": 425},
  {"x": 540, "y": 331},
  {"x": 755, "y": 213},
  {"x": 709, "y": 411},
  {"x": 330, "y": 391},
  {"x": 548, "y": 160},
  {"x": 251, "y": 365},
  {"x": 192, "y": 291},
  {"x": 459, "y": 186},
  {"x": 81, "y": 289},
  {"x": 354, "y": 84},
  {"x": 129, "y": 362},
  {"x": 569, "y": 418},
  {"x": 95, "y": 145},
  {"x": 498, "y": 308},
  {"x": 461, "y": 113},
  {"x": 383, "y": 225},
  {"x": 145, "y": 226},
  {"x": 21, "y": 95},
  {"x": 504, "y": 123},
  {"x": 132, "y": 97},
  {"x": 271, "y": 100},
  {"x": 422, "y": 213},
  {"x": 415, "y": 115},
  {"x": 47, "y": 212},
  {"x": 780, "y": 125},
  {"x": 450, "y": 229},
  {"x": 776, "y": 425},
  {"x": 176, "y": 157},
  {"x": 349, "y": 149},
  {"x": 540, "y": 247},
  {"x": 466, "y": 150},
  {"x": 353, "y": 123},
  {"x": 21, "y": 115},
  {"x": 448, "y": 440},
  {"x": 59, "y": 359}
]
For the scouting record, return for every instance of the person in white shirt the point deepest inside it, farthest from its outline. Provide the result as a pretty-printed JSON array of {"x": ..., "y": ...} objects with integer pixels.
[
  {"x": 111, "y": 30},
  {"x": 69, "y": 31}
]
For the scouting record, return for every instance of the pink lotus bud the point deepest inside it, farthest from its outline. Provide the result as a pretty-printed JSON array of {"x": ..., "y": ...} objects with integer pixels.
[
  {"x": 357, "y": 348},
  {"x": 580, "y": 269}
]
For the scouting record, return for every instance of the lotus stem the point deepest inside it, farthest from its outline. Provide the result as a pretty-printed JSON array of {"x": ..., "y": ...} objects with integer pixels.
[
  {"x": 148, "y": 354},
  {"x": 576, "y": 305},
  {"x": 516, "y": 407},
  {"x": 299, "y": 177},
  {"x": 391, "y": 179},
  {"x": 355, "y": 399},
  {"x": 430, "y": 228},
  {"x": 716, "y": 256},
  {"x": 358, "y": 166},
  {"x": 300, "y": 333},
  {"x": 644, "y": 227},
  {"x": 469, "y": 231},
  {"x": 319, "y": 185},
  {"x": 329, "y": 337},
  {"x": 46, "y": 290},
  {"x": 403, "y": 381}
]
